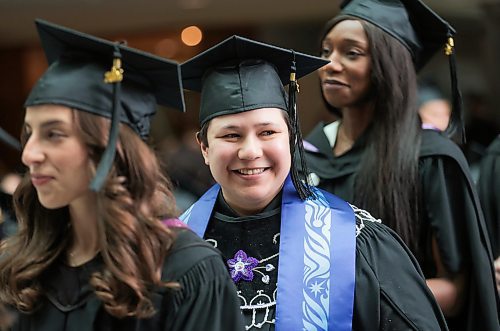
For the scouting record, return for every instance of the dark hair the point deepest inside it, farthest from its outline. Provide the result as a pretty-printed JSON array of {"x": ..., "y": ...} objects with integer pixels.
[
  {"x": 387, "y": 182},
  {"x": 132, "y": 241}
]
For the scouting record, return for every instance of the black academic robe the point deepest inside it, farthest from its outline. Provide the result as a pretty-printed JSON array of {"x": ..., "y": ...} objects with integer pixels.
[
  {"x": 488, "y": 187},
  {"x": 384, "y": 300},
  {"x": 450, "y": 211},
  {"x": 206, "y": 299}
]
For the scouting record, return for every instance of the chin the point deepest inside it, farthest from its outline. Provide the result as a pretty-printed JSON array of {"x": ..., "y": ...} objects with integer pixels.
[{"x": 51, "y": 204}]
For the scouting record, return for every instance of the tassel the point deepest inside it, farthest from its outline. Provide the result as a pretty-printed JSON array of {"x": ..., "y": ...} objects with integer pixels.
[
  {"x": 457, "y": 122},
  {"x": 299, "y": 179},
  {"x": 114, "y": 76}
]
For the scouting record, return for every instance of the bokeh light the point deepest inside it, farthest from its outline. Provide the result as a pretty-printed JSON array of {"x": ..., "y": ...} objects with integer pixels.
[{"x": 191, "y": 35}]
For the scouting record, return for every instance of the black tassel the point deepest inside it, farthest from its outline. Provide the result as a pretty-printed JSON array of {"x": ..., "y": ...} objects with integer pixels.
[
  {"x": 114, "y": 76},
  {"x": 299, "y": 179},
  {"x": 456, "y": 127}
]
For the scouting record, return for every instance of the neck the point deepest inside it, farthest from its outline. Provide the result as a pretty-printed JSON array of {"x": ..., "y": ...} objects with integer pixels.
[
  {"x": 83, "y": 217},
  {"x": 355, "y": 120}
]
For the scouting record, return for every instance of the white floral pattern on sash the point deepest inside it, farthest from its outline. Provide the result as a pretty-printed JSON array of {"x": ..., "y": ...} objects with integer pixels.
[{"x": 315, "y": 306}]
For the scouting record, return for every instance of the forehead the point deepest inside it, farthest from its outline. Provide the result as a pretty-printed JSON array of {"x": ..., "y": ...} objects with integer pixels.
[
  {"x": 261, "y": 116},
  {"x": 44, "y": 113},
  {"x": 348, "y": 30}
]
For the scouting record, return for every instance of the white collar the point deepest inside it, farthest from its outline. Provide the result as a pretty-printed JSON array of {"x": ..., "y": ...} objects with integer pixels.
[{"x": 331, "y": 130}]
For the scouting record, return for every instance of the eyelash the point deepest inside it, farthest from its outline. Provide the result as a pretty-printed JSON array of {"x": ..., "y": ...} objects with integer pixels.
[
  {"x": 230, "y": 135},
  {"x": 236, "y": 135},
  {"x": 54, "y": 134},
  {"x": 326, "y": 52},
  {"x": 268, "y": 132}
]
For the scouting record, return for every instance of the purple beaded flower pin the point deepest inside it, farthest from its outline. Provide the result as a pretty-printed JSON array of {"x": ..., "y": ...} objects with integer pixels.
[{"x": 241, "y": 266}]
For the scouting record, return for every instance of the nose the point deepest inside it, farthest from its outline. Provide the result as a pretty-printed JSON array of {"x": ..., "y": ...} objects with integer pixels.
[
  {"x": 335, "y": 65},
  {"x": 32, "y": 152},
  {"x": 250, "y": 149}
]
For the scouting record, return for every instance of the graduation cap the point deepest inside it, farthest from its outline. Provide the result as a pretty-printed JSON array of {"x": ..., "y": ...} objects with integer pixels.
[
  {"x": 241, "y": 74},
  {"x": 107, "y": 79},
  {"x": 420, "y": 30}
]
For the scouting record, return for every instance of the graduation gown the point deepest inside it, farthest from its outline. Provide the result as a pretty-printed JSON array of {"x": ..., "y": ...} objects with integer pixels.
[
  {"x": 383, "y": 300},
  {"x": 488, "y": 187},
  {"x": 450, "y": 211},
  {"x": 206, "y": 299}
]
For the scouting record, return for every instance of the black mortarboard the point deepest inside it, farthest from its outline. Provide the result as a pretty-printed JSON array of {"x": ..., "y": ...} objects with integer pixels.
[
  {"x": 419, "y": 29},
  {"x": 135, "y": 83},
  {"x": 240, "y": 74}
]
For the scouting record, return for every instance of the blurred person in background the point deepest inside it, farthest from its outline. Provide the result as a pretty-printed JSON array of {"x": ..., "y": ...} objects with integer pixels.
[
  {"x": 489, "y": 193},
  {"x": 8, "y": 184},
  {"x": 433, "y": 107},
  {"x": 186, "y": 169}
]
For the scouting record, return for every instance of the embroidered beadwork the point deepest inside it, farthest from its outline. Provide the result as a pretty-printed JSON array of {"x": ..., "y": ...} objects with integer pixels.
[
  {"x": 362, "y": 215},
  {"x": 260, "y": 302},
  {"x": 242, "y": 266}
]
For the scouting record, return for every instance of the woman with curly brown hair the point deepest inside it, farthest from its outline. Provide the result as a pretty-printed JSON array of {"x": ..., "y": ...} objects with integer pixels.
[{"x": 100, "y": 257}]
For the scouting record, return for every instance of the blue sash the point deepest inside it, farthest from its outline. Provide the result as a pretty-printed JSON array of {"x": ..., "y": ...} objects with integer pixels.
[{"x": 317, "y": 254}]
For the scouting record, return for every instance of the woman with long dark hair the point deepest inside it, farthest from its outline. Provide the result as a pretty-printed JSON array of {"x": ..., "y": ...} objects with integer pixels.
[
  {"x": 378, "y": 157},
  {"x": 92, "y": 252}
]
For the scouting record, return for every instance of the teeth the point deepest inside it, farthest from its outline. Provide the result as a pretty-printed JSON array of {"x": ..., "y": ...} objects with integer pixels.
[{"x": 251, "y": 171}]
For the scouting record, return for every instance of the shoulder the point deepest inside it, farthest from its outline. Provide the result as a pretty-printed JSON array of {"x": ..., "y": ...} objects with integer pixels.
[
  {"x": 390, "y": 287},
  {"x": 188, "y": 251},
  {"x": 377, "y": 243},
  {"x": 363, "y": 219},
  {"x": 434, "y": 143}
]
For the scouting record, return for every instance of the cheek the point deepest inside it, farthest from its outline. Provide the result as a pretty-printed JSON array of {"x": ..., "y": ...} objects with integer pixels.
[
  {"x": 78, "y": 161},
  {"x": 219, "y": 154},
  {"x": 281, "y": 153},
  {"x": 321, "y": 72}
]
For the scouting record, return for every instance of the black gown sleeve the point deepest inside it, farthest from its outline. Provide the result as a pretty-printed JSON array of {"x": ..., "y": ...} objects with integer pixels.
[
  {"x": 489, "y": 193},
  {"x": 391, "y": 293},
  {"x": 452, "y": 214},
  {"x": 207, "y": 298}
]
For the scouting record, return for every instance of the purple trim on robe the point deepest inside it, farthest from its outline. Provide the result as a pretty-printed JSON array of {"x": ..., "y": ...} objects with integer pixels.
[
  {"x": 174, "y": 223},
  {"x": 309, "y": 147},
  {"x": 427, "y": 126}
]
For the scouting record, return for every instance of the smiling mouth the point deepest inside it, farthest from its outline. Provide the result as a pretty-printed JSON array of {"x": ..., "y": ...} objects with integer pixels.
[{"x": 254, "y": 171}]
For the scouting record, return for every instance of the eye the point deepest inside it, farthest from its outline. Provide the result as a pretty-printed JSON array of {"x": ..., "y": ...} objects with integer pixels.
[
  {"x": 325, "y": 52},
  {"x": 52, "y": 134},
  {"x": 268, "y": 132},
  {"x": 230, "y": 136},
  {"x": 353, "y": 54}
]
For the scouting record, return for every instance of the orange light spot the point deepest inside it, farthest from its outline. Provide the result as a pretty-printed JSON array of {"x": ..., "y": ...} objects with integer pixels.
[{"x": 191, "y": 35}]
